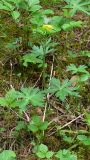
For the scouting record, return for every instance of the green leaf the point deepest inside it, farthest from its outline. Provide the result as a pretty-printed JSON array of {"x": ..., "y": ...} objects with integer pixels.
[
  {"x": 84, "y": 139},
  {"x": 10, "y": 99},
  {"x": 78, "y": 5},
  {"x": 43, "y": 148},
  {"x": 85, "y": 77},
  {"x": 3, "y": 101},
  {"x": 7, "y": 155},
  {"x": 49, "y": 154},
  {"x": 4, "y": 5},
  {"x": 32, "y": 128},
  {"x": 61, "y": 90},
  {"x": 74, "y": 69},
  {"x": 65, "y": 155},
  {"x": 35, "y": 8},
  {"x": 85, "y": 53},
  {"x": 43, "y": 126},
  {"x": 33, "y": 2},
  {"x": 42, "y": 151},
  {"x": 48, "y": 11},
  {"x": 36, "y": 120},
  {"x": 38, "y": 53},
  {"x": 40, "y": 155},
  {"x": 68, "y": 139},
  {"x": 33, "y": 96},
  {"x": 15, "y": 15},
  {"x": 71, "y": 25},
  {"x": 36, "y": 124}
]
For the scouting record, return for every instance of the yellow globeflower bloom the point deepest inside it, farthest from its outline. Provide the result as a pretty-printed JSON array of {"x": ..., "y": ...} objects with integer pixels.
[{"x": 48, "y": 27}]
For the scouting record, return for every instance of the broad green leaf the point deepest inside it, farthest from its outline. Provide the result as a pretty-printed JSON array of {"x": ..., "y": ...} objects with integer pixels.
[{"x": 7, "y": 155}]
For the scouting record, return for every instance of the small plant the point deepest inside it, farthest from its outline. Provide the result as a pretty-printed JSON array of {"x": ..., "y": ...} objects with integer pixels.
[
  {"x": 7, "y": 155},
  {"x": 10, "y": 99},
  {"x": 37, "y": 125},
  {"x": 42, "y": 152},
  {"x": 38, "y": 54},
  {"x": 23, "y": 98},
  {"x": 65, "y": 155},
  {"x": 62, "y": 89},
  {"x": 81, "y": 71},
  {"x": 31, "y": 27}
]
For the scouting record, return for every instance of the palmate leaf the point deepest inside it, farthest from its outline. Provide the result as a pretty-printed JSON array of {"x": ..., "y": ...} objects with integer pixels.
[
  {"x": 38, "y": 53},
  {"x": 23, "y": 98},
  {"x": 74, "y": 69},
  {"x": 78, "y": 5},
  {"x": 36, "y": 56},
  {"x": 31, "y": 58},
  {"x": 61, "y": 90},
  {"x": 33, "y": 96}
]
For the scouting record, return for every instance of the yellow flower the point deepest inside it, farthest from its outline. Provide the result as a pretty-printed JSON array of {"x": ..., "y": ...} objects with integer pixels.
[{"x": 48, "y": 27}]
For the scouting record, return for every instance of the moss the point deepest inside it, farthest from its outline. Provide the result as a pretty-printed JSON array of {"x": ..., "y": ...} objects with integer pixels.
[{"x": 83, "y": 153}]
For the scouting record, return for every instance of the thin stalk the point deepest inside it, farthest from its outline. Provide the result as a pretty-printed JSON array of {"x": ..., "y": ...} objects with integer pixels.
[{"x": 43, "y": 75}]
